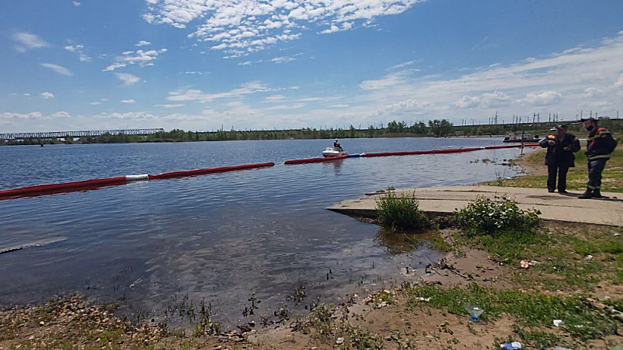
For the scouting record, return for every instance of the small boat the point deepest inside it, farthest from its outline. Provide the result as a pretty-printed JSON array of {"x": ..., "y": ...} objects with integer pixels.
[
  {"x": 522, "y": 139},
  {"x": 333, "y": 152}
]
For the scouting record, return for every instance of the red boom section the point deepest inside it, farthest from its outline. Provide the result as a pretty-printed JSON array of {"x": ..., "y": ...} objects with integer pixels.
[
  {"x": 313, "y": 160},
  {"x": 41, "y": 190},
  {"x": 443, "y": 151},
  {"x": 412, "y": 153},
  {"x": 62, "y": 187},
  {"x": 196, "y": 172}
]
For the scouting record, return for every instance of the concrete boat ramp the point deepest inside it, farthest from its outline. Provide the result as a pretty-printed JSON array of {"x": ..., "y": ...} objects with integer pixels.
[{"x": 553, "y": 206}]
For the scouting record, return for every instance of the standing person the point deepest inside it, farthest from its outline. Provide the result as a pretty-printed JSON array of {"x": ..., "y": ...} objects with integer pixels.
[
  {"x": 599, "y": 145},
  {"x": 559, "y": 157}
]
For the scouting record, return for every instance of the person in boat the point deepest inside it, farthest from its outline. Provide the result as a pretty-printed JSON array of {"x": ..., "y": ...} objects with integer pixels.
[
  {"x": 337, "y": 146},
  {"x": 559, "y": 157},
  {"x": 600, "y": 145}
]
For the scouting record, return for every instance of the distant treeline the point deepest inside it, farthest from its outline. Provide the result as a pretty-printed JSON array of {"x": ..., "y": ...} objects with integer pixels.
[{"x": 434, "y": 128}]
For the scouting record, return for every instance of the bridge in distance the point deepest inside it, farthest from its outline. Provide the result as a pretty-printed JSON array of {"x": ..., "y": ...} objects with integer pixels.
[{"x": 87, "y": 133}]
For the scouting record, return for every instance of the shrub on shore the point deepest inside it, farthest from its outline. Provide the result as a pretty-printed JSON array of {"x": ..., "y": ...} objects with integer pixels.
[
  {"x": 401, "y": 213},
  {"x": 486, "y": 216}
]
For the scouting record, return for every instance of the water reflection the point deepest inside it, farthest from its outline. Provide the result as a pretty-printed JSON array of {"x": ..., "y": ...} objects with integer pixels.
[{"x": 397, "y": 242}]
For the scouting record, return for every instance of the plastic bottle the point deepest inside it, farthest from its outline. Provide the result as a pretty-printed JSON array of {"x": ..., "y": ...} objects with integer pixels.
[
  {"x": 511, "y": 346},
  {"x": 474, "y": 312}
]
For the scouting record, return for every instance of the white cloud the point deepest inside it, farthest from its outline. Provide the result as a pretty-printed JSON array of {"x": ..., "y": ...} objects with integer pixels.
[
  {"x": 143, "y": 43},
  {"x": 619, "y": 83},
  {"x": 27, "y": 41},
  {"x": 544, "y": 98},
  {"x": 128, "y": 79},
  {"x": 76, "y": 4},
  {"x": 128, "y": 101},
  {"x": 390, "y": 80},
  {"x": 198, "y": 95},
  {"x": 58, "y": 69},
  {"x": 274, "y": 98},
  {"x": 245, "y": 63},
  {"x": 403, "y": 65},
  {"x": 32, "y": 115},
  {"x": 592, "y": 92},
  {"x": 74, "y": 48},
  {"x": 555, "y": 83},
  {"x": 114, "y": 66},
  {"x": 494, "y": 99},
  {"x": 141, "y": 57},
  {"x": 339, "y": 106},
  {"x": 240, "y": 27},
  {"x": 171, "y": 105},
  {"x": 78, "y": 48},
  {"x": 283, "y": 59},
  {"x": 47, "y": 95},
  {"x": 282, "y": 107},
  {"x": 96, "y": 103},
  {"x": 468, "y": 102}
]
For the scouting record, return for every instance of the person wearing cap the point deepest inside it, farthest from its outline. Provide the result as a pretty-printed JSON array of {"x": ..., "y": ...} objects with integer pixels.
[
  {"x": 559, "y": 157},
  {"x": 599, "y": 145}
]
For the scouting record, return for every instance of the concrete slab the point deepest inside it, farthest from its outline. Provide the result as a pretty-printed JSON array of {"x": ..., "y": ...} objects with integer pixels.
[{"x": 553, "y": 206}]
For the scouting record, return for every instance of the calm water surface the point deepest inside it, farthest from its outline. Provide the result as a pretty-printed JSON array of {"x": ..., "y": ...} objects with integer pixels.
[{"x": 220, "y": 237}]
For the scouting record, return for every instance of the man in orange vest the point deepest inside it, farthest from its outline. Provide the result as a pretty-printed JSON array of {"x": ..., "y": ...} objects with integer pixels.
[{"x": 600, "y": 144}]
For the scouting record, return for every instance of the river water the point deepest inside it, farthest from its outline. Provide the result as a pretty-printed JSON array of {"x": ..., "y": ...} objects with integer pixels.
[{"x": 219, "y": 237}]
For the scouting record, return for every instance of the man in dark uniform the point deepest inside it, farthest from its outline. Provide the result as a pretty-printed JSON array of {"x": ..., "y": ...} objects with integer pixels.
[
  {"x": 559, "y": 157},
  {"x": 600, "y": 144}
]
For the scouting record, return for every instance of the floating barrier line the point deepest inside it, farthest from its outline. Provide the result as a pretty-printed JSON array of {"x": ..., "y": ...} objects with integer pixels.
[
  {"x": 406, "y": 153},
  {"x": 40, "y": 190},
  {"x": 85, "y": 185}
]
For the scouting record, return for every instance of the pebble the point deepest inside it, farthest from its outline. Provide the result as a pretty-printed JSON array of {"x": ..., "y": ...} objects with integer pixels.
[
  {"x": 42, "y": 323},
  {"x": 339, "y": 341}
]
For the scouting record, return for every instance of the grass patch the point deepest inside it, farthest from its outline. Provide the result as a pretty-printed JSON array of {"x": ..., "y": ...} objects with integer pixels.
[
  {"x": 401, "y": 213},
  {"x": 510, "y": 245},
  {"x": 576, "y": 178},
  {"x": 529, "y": 310}
]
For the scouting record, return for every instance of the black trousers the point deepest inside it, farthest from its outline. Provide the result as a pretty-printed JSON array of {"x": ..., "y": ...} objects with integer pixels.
[
  {"x": 595, "y": 167},
  {"x": 561, "y": 171}
]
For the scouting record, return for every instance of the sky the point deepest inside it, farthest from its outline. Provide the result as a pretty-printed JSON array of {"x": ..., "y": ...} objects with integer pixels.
[{"x": 204, "y": 65}]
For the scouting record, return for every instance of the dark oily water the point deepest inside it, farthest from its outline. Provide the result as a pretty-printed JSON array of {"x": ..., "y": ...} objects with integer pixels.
[{"x": 220, "y": 237}]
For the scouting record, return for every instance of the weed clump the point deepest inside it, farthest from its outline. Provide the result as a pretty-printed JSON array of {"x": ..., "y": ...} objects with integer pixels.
[
  {"x": 401, "y": 213},
  {"x": 486, "y": 216}
]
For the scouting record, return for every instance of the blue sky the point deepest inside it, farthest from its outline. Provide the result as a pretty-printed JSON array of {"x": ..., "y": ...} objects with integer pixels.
[{"x": 200, "y": 65}]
